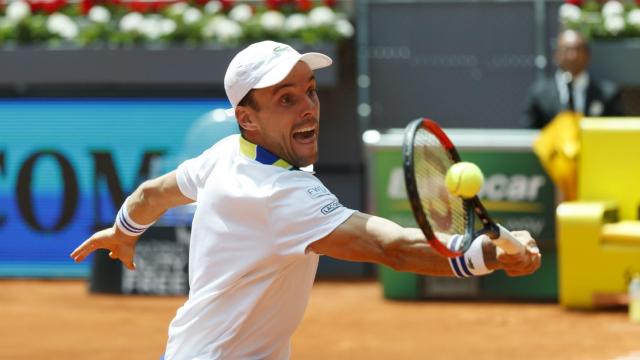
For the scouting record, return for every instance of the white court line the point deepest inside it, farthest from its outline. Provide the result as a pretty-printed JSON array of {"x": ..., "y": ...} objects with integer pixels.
[{"x": 634, "y": 355}]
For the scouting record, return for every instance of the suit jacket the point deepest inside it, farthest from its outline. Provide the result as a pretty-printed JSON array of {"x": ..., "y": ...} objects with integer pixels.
[{"x": 543, "y": 103}]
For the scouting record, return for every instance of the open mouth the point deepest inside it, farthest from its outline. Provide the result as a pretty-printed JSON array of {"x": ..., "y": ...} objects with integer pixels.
[{"x": 305, "y": 135}]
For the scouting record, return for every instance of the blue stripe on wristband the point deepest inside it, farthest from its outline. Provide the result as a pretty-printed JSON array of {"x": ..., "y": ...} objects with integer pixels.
[
  {"x": 453, "y": 245},
  {"x": 456, "y": 270},
  {"x": 463, "y": 265},
  {"x": 127, "y": 225}
]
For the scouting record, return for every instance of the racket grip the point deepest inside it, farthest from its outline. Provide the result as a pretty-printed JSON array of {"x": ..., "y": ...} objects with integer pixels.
[{"x": 507, "y": 242}]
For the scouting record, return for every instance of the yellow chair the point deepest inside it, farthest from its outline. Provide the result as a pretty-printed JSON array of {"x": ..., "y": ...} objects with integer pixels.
[{"x": 598, "y": 235}]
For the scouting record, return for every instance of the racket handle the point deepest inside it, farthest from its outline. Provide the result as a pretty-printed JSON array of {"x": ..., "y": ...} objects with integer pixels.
[{"x": 507, "y": 242}]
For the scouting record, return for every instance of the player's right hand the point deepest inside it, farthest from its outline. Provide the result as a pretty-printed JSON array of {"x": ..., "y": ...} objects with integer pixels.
[
  {"x": 120, "y": 246},
  {"x": 521, "y": 264}
]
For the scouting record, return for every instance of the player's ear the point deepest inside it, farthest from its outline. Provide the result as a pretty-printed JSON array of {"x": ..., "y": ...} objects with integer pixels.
[{"x": 245, "y": 118}]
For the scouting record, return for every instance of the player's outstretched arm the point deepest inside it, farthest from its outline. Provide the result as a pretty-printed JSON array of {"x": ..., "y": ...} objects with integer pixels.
[
  {"x": 144, "y": 206},
  {"x": 369, "y": 238}
]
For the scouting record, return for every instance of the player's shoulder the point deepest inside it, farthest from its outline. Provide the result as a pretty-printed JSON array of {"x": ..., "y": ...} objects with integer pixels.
[
  {"x": 227, "y": 144},
  {"x": 298, "y": 181},
  {"x": 294, "y": 178}
]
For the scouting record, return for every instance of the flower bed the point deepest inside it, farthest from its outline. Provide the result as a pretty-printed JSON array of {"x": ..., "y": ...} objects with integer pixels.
[
  {"x": 611, "y": 19},
  {"x": 126, "y": 23}
]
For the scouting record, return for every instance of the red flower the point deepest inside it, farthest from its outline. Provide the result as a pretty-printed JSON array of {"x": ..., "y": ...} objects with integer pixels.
[
  {"x": 575, "y": 2},
  {"x": 48, "y": 6},
  {"x": 140, "y": 6},
  {"x": 273, "y": 4},
  {"x": 304, "y": 5},
  {"x": 160, "y": 5},
  {"x": 226, "y": 4},
  {"x": 147, "y": 6},
  {"x": 330, "y": 3},
  {"x": 85, "y": 6}
]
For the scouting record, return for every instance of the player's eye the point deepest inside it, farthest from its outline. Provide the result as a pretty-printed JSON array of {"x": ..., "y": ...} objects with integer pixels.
[{"x": 286, "y": 100}]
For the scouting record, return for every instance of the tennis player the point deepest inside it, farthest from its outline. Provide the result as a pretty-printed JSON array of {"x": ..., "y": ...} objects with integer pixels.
[{"x": 262, "y": 219}]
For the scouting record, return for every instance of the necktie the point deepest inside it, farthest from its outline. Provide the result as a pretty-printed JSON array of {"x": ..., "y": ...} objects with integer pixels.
[{"x": 570, "y": 105}]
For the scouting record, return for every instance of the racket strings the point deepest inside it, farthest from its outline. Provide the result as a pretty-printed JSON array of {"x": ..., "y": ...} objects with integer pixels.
[{"x": 445, "y": 212}]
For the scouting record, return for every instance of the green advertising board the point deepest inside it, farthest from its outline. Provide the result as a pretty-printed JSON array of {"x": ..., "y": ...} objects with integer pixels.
[{"x": 517, "y": 193}]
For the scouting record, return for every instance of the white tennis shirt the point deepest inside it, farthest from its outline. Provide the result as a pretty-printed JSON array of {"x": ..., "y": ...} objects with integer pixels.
[{"x": 249, "y": 271}]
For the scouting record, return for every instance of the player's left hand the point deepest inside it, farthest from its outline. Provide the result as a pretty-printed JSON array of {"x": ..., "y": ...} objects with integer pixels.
[
  {"x": 521, "y": 264},
  {"x": 120, "y": 246}
]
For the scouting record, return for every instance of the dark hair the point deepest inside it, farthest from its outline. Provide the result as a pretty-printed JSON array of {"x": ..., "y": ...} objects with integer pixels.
[{"x": 250, "y": 101}]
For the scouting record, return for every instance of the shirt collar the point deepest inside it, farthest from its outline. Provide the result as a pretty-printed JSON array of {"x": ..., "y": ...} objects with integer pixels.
[
  {"x": 262, "y": 155},
  {"x": 581, "y": 80}
]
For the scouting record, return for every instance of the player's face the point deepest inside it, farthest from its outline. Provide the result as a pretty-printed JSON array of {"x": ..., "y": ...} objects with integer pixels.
[{"x": 288, "y": 117}]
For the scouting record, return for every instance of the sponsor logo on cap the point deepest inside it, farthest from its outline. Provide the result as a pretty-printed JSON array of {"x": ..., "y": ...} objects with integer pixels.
[{"x": 280, "y": 49}]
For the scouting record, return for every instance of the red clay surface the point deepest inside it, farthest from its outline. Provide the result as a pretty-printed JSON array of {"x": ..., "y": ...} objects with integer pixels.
[{"x": 345, "y": 320}]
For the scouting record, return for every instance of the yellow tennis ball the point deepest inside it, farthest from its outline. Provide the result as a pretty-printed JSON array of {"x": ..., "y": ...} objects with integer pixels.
[{"x": 464, "y": 179}]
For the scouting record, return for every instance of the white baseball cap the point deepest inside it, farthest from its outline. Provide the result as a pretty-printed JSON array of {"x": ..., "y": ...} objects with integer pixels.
[{"x": 264, "y": 64}]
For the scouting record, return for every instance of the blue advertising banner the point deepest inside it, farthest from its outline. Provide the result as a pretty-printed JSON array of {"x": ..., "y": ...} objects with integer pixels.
[{"x": 66, "y": 165}]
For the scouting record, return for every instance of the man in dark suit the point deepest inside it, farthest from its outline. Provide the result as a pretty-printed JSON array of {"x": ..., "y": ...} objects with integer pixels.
[{"x": 571, "y": 88}]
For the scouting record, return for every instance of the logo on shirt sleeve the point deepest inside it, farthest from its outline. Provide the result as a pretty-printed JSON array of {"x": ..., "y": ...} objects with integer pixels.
[
  {"x": 317, "y": 191},
  {"x": 327, "y": 209}
]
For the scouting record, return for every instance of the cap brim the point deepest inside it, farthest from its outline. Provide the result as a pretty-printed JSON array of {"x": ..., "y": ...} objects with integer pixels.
[
  {"x": 313, "y": 59},
  {"x": 316, "y": 60}
]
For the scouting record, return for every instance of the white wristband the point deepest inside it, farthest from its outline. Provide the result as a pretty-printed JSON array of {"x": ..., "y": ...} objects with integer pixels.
[
  {"x": 472, "y": 262},
  {"x": 126, "y": 224}
]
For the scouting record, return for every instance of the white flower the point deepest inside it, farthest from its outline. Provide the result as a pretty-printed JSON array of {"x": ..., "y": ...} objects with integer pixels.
[
  {"x": 151, "y": 27},
  {"x": 62, "y": 25},
  {"x": 191, "y": 16},
  {"x": 344, "y": 28},
  {"x": 177, "y": 9},
  {"x": 213, "y": 7},
  {"x": 17, "y": 10},
  {"x": 168, "y": 26},
  {"x": 228, "y": 30},
  {"x": 131, "y": 22},
  {"x": 634, "y": 18},
  {"x": 612, "y": 8},
  {"x": 156, "y": 26},
  {"x": 272, "y": 21},
  {"x": 241, "y": 13},
  {"x": 223, "y": 28},
  {"x": 614, "y": 24},
  {"x": 296, "y": 22},
  {"x": 569, "y": 13},
  {"x": 321, "y": 16},
  {"x": 209, "y": 29},
  {"x": 99, "y": 14}
]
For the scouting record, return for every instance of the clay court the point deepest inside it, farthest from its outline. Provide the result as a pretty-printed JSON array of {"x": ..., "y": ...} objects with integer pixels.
[{"x": 345, "y": 320}]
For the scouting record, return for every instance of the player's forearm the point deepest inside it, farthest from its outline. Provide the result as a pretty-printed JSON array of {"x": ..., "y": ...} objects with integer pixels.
[
  {"x": 405, "y": 249},
  {"x": 411, "y": 252},
  {"x": 369, "y": 238},
  {"x": 153, "y": 198}
]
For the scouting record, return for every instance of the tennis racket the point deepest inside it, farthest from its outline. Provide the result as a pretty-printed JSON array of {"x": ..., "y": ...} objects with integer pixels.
[{"x": 427, "y": 155}]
